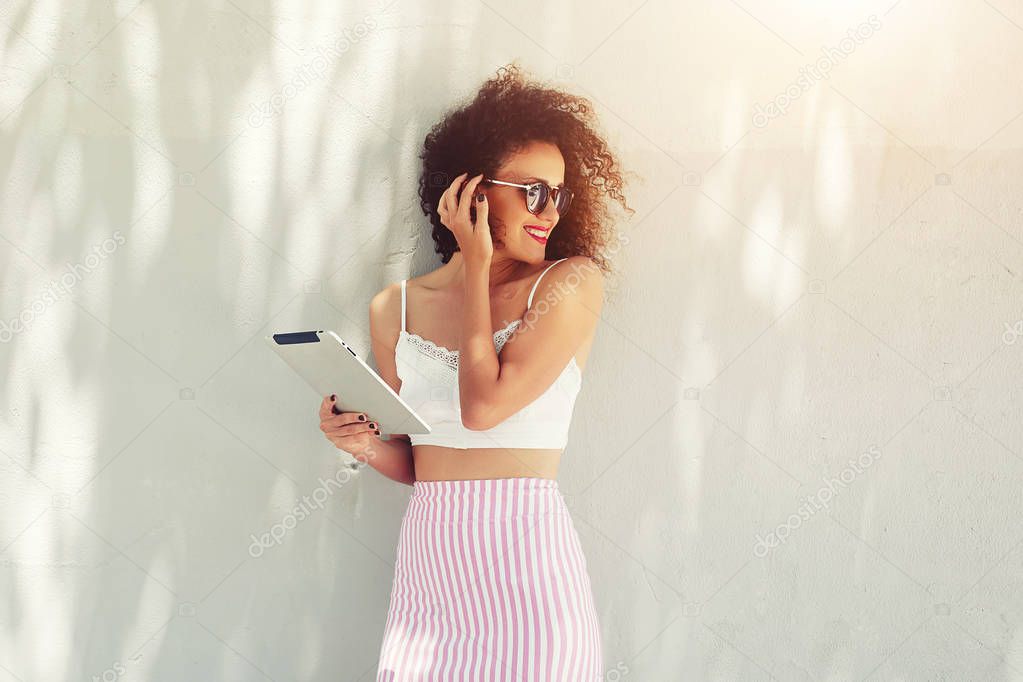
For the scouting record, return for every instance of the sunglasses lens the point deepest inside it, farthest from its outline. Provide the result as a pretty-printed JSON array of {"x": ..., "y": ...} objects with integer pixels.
[
  {"x": 536, "y": 198},
  {"x": 564, "y": 201},
  {"x": 538, "y": 194}
]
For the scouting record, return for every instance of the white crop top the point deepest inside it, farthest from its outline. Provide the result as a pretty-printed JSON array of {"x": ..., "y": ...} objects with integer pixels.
[{"x": 429, "y": 384}]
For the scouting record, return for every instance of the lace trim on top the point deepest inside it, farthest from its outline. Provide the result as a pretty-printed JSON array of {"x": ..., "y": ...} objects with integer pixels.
[{"x": 450, "y": 357}]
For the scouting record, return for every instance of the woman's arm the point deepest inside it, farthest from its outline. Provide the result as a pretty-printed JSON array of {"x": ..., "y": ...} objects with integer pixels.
[
  {"x": 392, "y": 457},
  {"x": 478, "y": 364},
  {"x": 564, "y": 313}
]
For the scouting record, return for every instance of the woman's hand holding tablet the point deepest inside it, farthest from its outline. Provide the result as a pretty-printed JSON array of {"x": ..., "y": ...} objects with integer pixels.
[{"x": 352, "y": 432}]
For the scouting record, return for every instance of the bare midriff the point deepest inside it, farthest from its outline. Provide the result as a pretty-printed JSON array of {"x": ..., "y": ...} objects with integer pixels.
[{"x": 439, "y": 463}]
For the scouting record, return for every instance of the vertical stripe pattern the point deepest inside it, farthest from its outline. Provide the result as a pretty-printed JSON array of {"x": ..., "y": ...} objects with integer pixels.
[{"x": 490, "y": 584}]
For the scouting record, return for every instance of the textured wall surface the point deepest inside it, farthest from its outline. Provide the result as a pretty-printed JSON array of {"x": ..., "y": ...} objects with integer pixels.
[{"x": 797, "y": 454}]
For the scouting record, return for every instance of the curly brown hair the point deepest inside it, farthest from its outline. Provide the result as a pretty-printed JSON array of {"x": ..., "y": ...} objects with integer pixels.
[{"x": 507, "y": 114}]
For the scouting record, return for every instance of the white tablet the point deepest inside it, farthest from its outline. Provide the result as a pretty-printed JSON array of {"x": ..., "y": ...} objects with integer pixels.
[{"x": 330, "y": 366}]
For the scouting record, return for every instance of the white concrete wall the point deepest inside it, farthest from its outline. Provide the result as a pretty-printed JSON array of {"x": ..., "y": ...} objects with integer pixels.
[{"x": 797, "y": 454}]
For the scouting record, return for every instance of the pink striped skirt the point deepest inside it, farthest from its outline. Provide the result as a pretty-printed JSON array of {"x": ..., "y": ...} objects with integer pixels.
[{"x": 490, "y": 584}]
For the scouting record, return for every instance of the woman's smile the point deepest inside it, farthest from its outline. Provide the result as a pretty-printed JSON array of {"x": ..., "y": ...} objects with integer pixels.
[{"x": 536, "y": 232}]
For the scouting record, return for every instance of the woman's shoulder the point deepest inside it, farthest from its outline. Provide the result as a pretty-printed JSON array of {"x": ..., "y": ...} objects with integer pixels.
[
  {"x": 573, "y": 270},
  {"x": 428, "y": 280},
  {"x": 385, "y": 306},
  {"x": 393, "y": 290},
  {"x": 385, "y": 310},
  {"x": 576, "y": 277}
]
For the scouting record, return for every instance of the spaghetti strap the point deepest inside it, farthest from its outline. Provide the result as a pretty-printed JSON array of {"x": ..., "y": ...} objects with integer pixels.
[
  {"x": 403, "y": 305},
  {"x": 529, "y": 303}
]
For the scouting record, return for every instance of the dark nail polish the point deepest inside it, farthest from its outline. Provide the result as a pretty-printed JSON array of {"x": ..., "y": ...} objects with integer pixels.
[
  {"x": 333, "y": 397},
  {"x": 362, "y": 417},
  {"x": 377, "y": 432}
]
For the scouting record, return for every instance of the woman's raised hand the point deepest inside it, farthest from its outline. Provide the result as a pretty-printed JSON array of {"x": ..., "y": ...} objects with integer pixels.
[{"x": 475, "y": 244}]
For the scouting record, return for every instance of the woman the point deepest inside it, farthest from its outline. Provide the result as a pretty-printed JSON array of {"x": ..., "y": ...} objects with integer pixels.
[{"x": 490, "y": 581}]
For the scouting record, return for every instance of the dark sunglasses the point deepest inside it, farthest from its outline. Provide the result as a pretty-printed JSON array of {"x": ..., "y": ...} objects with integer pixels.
[{"x": 538, "y": 194}]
